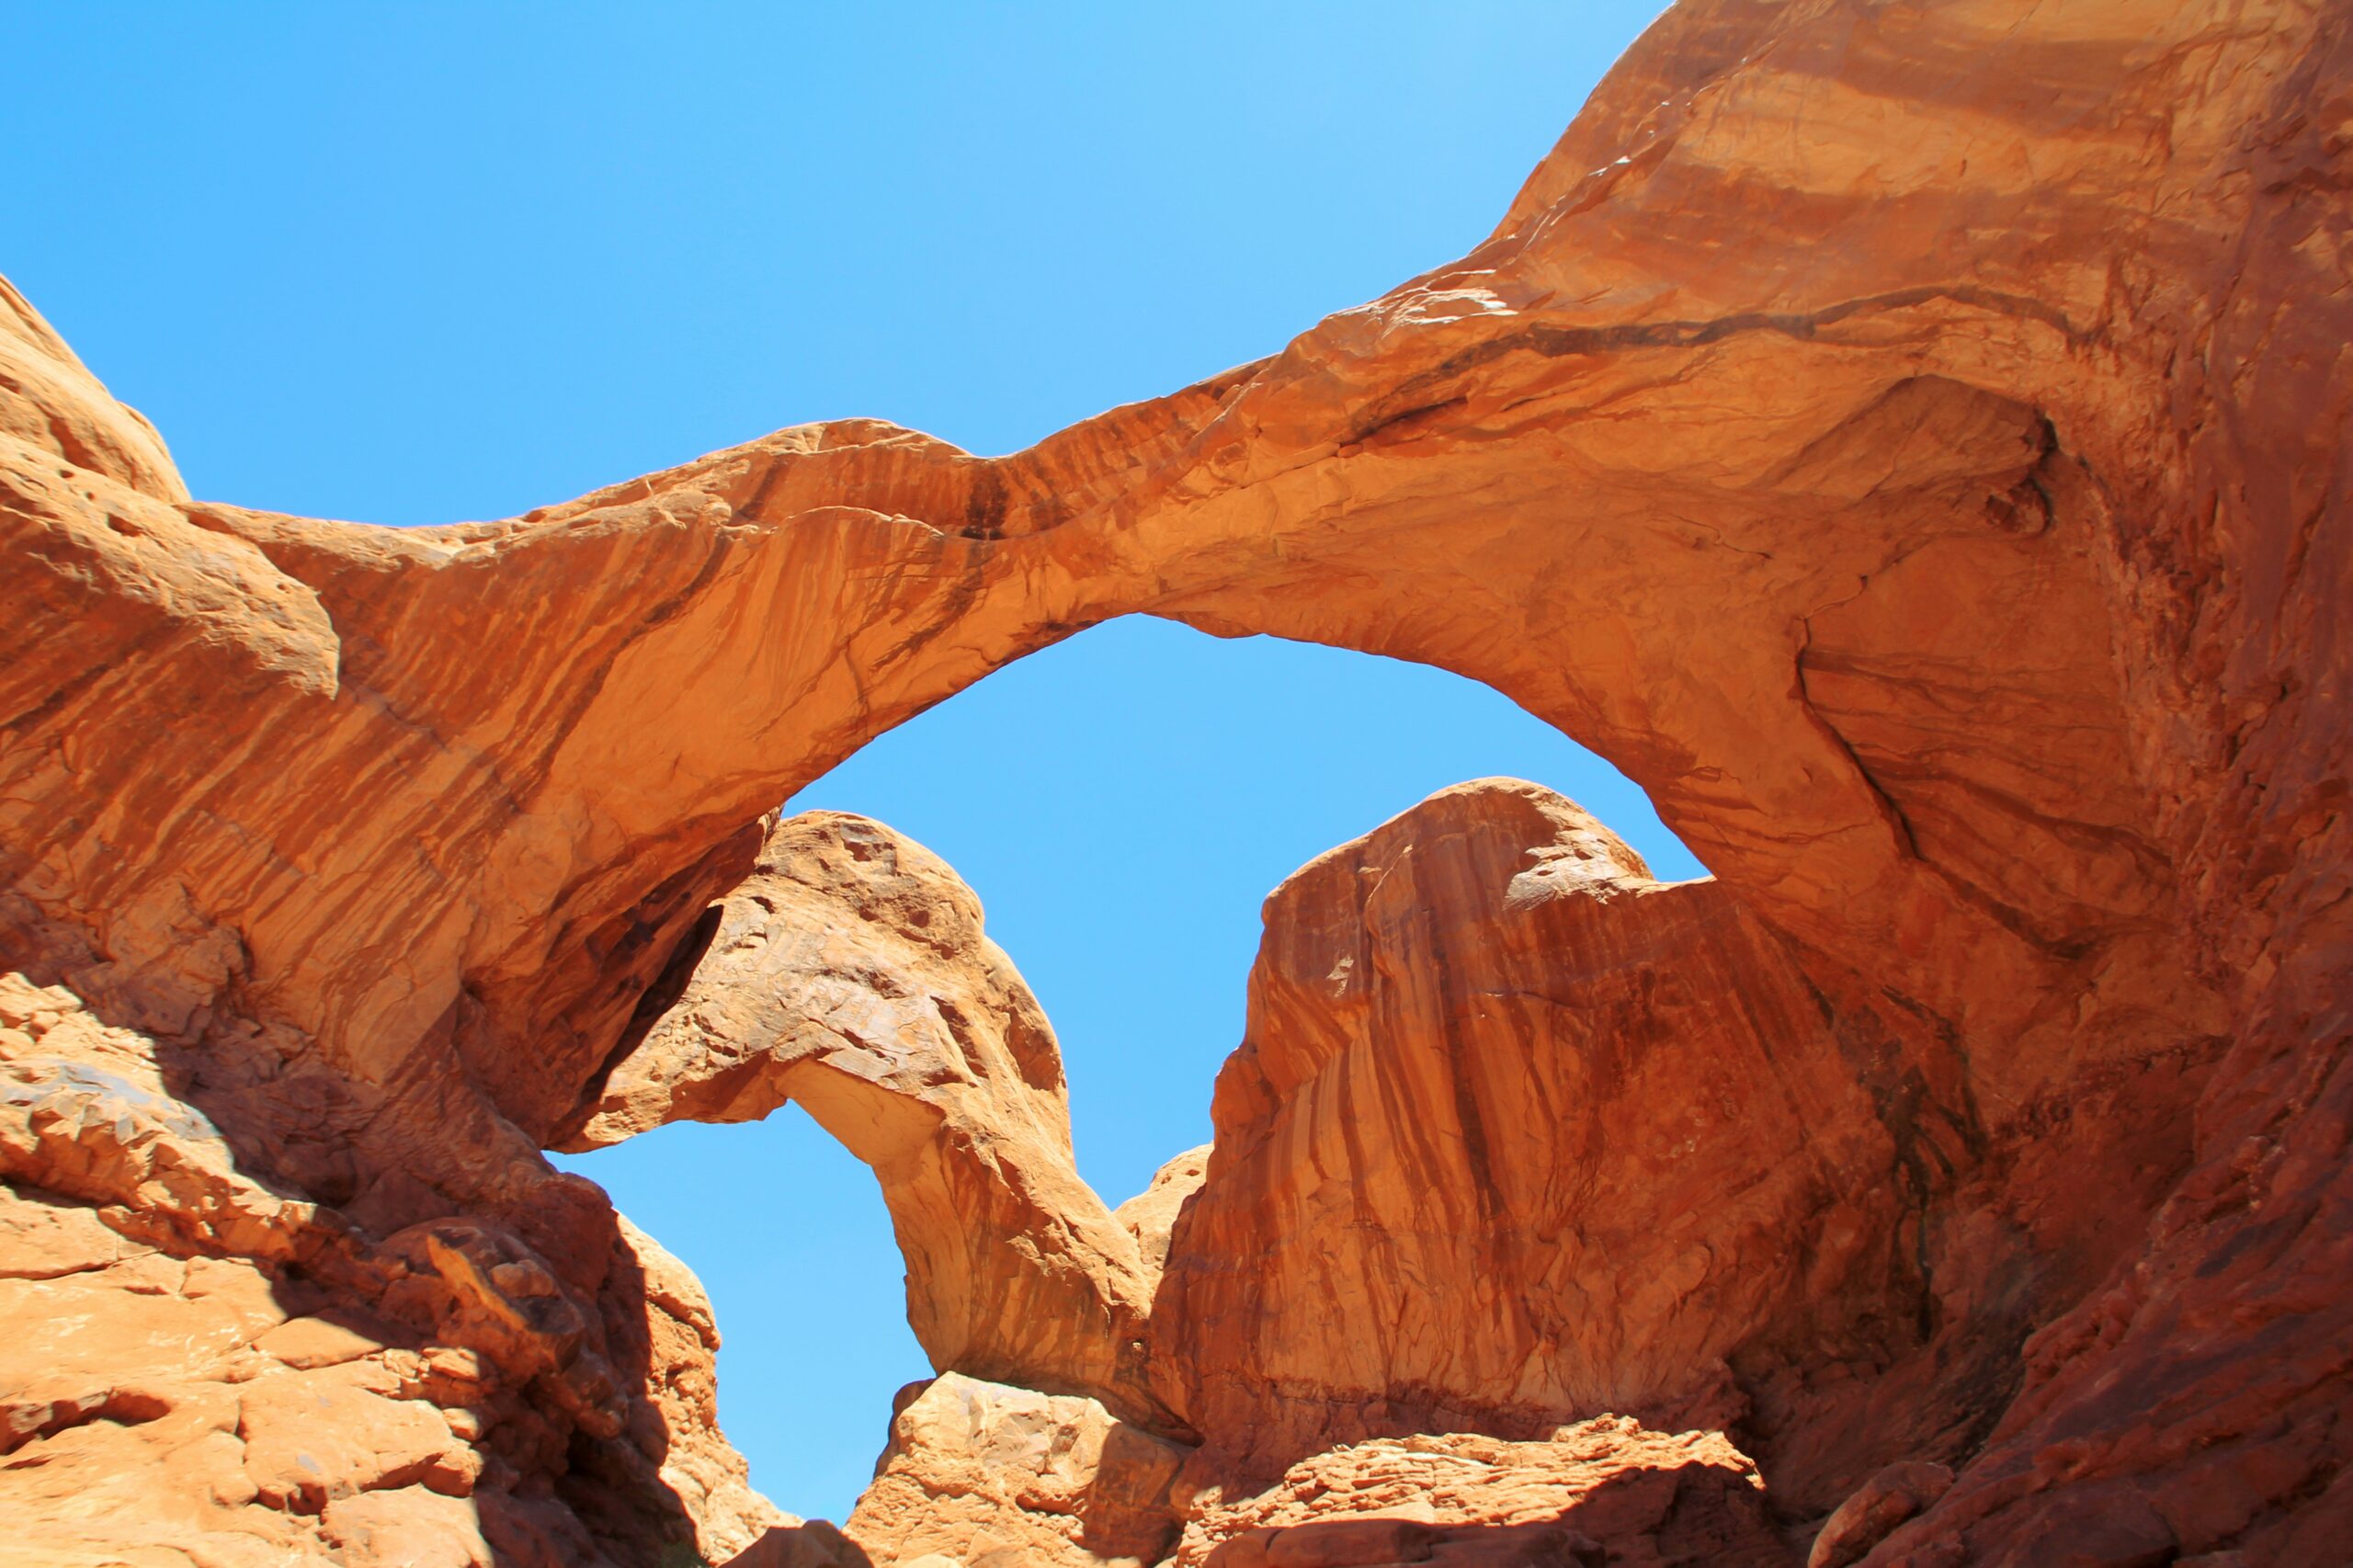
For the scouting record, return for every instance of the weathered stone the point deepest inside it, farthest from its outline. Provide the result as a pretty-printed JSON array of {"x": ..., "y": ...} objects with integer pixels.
[
  {"x": 1516, "y": 1133},
  {"x": 1151, "y": 1215},
  {"x": 975, "y": 1467},
  {"x": 306, "y": 1344},
  {"x": 1603, "y": 1489},
  {"x": 1907, "y": 439},
  {"x": 410, "y": 1527},
  {"x": 1885, "y": 1501},
  {"x": 850, "y": 973}
]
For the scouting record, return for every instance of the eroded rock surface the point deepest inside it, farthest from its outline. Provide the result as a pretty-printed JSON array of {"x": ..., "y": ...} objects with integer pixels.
[
  {"x": 1885, "y": 1501},
  {"x": 982, "y": 1474},
  {"x": 1517, "y": 1134},
  {"x": 850, "y": 973},
  {"x": 1907, "y": 439},
  {"x": 199, "y": 1369},
  {"x": 1151, "y": 1215},
  {"x": 1606, "y": 1490}
]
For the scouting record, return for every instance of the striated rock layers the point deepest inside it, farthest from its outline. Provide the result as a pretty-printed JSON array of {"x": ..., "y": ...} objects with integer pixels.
[
  {"x": 1485, "y": 1049},
  {"x": 1906, "y": 439}
]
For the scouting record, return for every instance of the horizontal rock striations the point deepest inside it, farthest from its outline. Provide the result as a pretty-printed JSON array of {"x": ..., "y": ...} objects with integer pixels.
[
  {"x": 1907, "y": 439},
  {"x": 200, "y": 1369}
]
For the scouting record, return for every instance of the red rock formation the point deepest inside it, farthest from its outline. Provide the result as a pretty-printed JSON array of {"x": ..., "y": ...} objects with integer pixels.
[
  {"x": 849, "y": 973},
  {"x": 1907, "y": 439},
  {"x": 1863, "y": 1520},
  {"x": 50, "y": 403},
  {"x": 198, "y": 1365},
  {"x": 1151, "y": 1215},
  {"x": 1599, "y": 1490},
  {"x": 977, "y": 1472},
  {"x": 1517, "y": 1134}
]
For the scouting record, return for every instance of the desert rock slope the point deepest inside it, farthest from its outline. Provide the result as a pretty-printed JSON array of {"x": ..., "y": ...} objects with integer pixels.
[{"x": 1907, "y": 438}]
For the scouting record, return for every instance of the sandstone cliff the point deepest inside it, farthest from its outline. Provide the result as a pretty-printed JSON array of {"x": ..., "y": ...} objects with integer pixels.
[
  {"x": 1484, "y": 1049},
  {"x": 1908, "y": 440}
]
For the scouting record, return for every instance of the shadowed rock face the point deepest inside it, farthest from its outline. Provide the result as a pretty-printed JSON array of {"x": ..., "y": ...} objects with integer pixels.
[{"x": 1906, "y": 439}]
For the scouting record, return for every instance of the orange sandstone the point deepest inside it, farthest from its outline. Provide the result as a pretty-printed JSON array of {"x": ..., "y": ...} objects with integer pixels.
[{"x": 1907, "y": 439}]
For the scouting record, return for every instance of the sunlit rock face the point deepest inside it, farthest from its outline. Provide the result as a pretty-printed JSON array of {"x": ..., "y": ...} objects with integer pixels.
[
  {"x": 1517, "y": 1134},
  {"x": 1605, "y": 1489},
  {"x": 1906, "y": 439},
  {"x": 850, "y": 973},
  {"x": 976, "y": 1469}
]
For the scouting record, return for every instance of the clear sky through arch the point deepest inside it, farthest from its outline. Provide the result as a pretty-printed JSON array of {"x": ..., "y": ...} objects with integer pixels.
[
  {"x": 1123, "y": 802},
  {"x": 438, "y": 261}
]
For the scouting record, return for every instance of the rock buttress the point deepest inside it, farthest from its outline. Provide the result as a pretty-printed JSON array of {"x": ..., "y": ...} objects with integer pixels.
[{"x": 850, "y": 973}]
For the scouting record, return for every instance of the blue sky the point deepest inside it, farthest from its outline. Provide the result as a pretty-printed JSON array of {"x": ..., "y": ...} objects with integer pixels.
[{"x": 417, "y": 263}]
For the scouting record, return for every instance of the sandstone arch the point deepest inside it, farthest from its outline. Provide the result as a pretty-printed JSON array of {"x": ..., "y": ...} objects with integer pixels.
[{"x": 1905, "y": 440}]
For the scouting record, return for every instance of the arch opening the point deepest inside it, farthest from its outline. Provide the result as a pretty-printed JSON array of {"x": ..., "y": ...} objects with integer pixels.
[{"x": 1121, "y": 802}]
